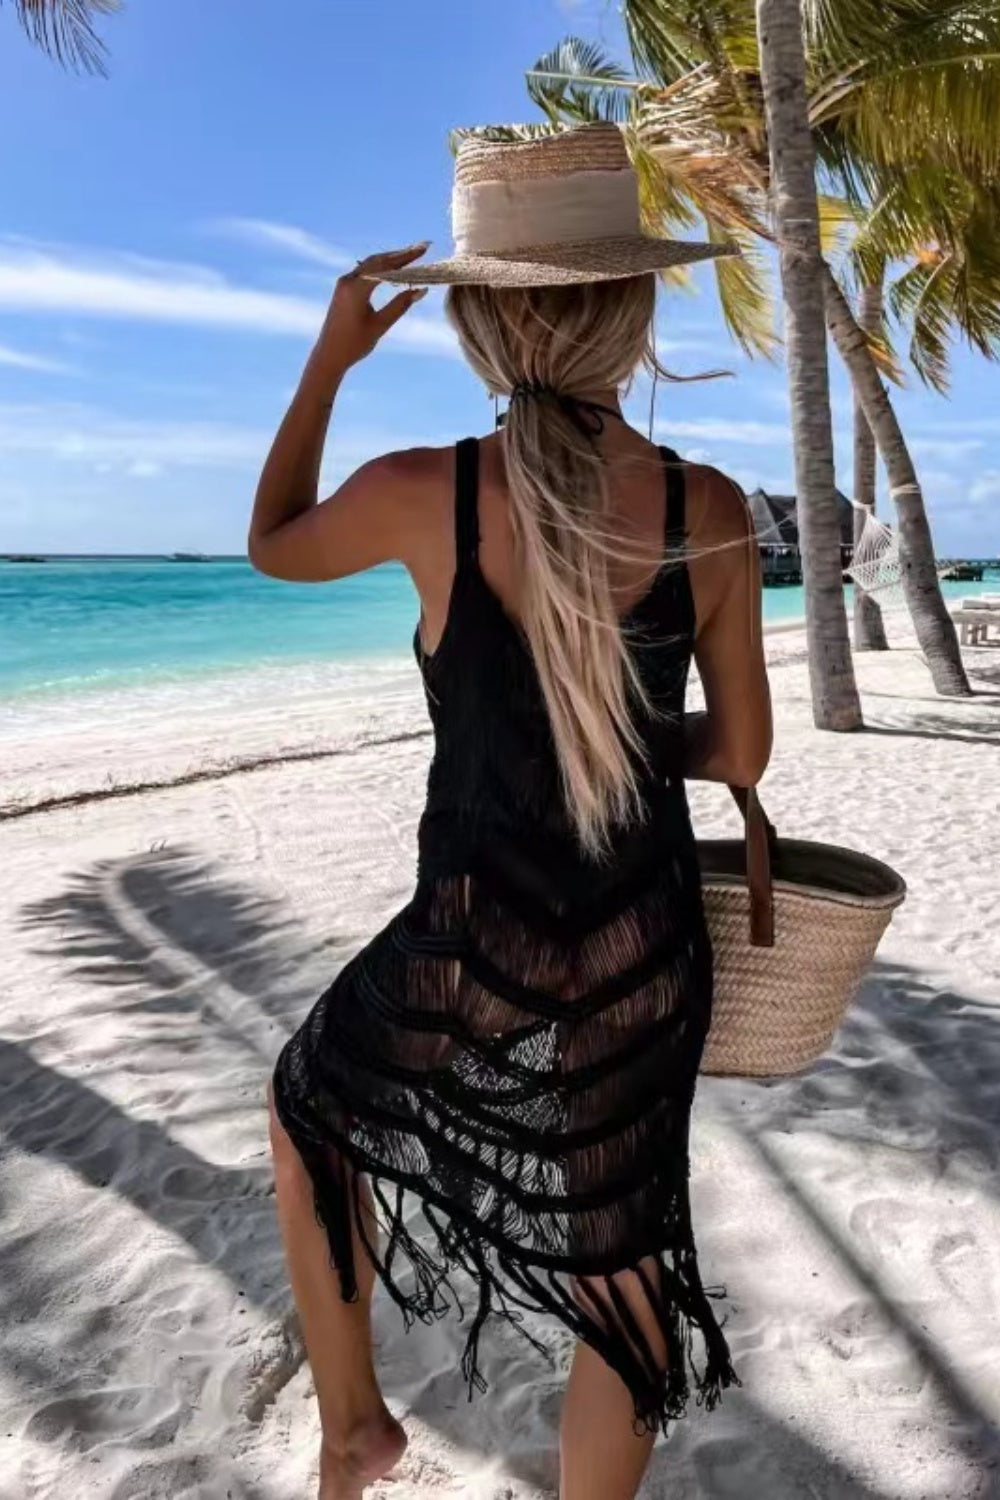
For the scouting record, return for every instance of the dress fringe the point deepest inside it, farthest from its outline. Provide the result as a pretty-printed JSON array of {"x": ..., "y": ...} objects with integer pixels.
[{"x": 509, "y": 1286}]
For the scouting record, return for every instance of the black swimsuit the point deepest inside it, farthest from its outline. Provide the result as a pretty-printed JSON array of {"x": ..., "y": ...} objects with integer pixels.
[{"x": 519, "y": 1046}]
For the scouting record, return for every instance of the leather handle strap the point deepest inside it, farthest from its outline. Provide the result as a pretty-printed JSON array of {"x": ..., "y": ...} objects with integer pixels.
[{"x": 761, "y": 841}]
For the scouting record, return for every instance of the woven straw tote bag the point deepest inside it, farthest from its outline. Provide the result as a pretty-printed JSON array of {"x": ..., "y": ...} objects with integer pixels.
[{"x": 794, "y": 925}]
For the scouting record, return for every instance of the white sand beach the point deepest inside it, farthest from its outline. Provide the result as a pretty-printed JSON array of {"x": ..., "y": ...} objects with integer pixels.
[{"x": 157, "y": 946}]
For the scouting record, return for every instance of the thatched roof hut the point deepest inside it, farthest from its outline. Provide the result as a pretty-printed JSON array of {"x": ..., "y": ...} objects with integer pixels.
[{"x": 776, "y": 524}]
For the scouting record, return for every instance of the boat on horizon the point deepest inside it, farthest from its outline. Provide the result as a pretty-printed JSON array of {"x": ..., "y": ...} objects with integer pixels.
[{"x": 188, "y": 557}]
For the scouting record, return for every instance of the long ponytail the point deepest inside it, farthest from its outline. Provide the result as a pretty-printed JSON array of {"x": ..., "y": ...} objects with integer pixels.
[{"x": 568, "y": 339}]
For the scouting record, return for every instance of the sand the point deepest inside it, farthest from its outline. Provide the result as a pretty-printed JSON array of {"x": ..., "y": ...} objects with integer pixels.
[{"x": 158, "y": 946}]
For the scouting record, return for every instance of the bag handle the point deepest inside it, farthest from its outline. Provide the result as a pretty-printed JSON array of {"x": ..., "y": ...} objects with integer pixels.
[{"x": 761, "y": 841}]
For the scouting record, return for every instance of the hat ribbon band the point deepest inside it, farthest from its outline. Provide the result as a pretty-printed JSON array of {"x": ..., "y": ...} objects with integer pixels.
[{"x": 489, "y": 217}]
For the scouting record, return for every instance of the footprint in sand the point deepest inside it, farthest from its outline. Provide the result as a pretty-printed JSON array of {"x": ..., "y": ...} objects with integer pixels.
[
  {"x": 901, "y": 1236},
  {"x": 966, "y": 1268},
  {"x": 871, "y": 1351},
  {"x": 81, "y": 1422}
]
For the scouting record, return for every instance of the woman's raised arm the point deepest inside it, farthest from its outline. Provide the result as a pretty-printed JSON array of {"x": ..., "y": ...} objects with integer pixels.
[{"x": 293, "y": 536}]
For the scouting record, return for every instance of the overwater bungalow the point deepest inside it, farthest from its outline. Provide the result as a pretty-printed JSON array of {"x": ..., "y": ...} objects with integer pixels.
[{"x": 777, "y": 530}]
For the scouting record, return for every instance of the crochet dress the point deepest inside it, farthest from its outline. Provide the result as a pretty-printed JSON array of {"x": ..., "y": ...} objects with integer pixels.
[{"x": 519, "y": 1046}]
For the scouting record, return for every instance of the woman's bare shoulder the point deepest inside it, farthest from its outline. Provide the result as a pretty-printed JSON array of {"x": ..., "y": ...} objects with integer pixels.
[
  {"x": 411, "y": 482},
  {"x": 416, "y": 486},
  {"x": 413, "y": 469},
  {"x": 717, "y": 509}
]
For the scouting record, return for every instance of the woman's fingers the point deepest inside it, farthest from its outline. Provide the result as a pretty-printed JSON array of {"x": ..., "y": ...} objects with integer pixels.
[
  {"x": 353, "y": 326},
  {"x": 388, "y": 260},
  {"x": 397, "y": 306}
]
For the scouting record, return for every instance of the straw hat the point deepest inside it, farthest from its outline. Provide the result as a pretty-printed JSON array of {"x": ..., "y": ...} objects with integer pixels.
[{"x": 558, "y": 209}]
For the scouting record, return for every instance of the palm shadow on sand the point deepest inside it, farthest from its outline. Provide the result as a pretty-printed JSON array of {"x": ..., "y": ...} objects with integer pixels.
[{"x": 172, "y": 936}]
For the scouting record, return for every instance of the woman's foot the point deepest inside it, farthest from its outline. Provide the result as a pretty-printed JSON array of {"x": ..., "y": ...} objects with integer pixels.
[{"x": 359, "y": 1456}]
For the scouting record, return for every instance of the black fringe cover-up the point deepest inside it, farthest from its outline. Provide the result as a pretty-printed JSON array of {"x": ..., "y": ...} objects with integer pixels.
[{"x": 519, "y": 1046}]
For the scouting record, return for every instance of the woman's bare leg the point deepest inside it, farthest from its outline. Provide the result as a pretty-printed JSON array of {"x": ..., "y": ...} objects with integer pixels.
[
  {"x": 361, "y": 1439},
  {"x": 601, "y": 1456}
]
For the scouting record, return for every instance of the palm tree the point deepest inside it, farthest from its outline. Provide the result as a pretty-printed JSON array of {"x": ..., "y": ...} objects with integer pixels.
[
  {"x": 903, "y": 101},
  {"x": 796, "y": 225},
  {"x": 869, "y": 629},
  {"x": 65, "y": 29},
  {"x": 936, "y": 216}
]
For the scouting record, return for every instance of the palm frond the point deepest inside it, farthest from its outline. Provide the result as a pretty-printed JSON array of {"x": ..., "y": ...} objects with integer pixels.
[
  {"x": 668, "y": 38},
  {"x": 836, "y": 219},
  {"x": 746, "y": 293},
  {"x": 892, "y": 76},
  {"x": 903, "y": 212},
  {"x": 913, "y": 301},
  {"x": 706, "y": 141},
  {"x": 840, "y": 33},
  {"x": 578, "y": 81},
  {"x": 66, "y": 30},
  {"x": 661, "y": 43},
  {"x": 892, "y": 118},
  {"x": 952, "y": 287},
  {"x": 967, "y": 290},
  {"x": 664, "y": 197}
]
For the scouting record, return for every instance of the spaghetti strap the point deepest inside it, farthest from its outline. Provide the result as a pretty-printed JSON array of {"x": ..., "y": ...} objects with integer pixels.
[
  {"x": 676, "y": 528},
  {"x": 467, "y": 502}
]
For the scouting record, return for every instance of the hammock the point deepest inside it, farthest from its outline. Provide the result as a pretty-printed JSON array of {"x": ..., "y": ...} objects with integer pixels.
[{"x": 875, "y": 567}]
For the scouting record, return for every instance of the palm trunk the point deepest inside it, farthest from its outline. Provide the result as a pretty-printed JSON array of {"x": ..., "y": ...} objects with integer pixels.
[
  {"x": 869, "y": 629},
  {"x": 934, "y": 626},
  {"x": 796, "y": 221}
]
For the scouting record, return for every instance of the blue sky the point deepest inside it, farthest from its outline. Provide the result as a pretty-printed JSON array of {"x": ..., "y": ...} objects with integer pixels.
[{"x": 169, "y": 237}]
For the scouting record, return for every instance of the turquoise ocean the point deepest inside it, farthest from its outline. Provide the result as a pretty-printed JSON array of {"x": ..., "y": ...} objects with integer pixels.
[{"x": 80, "y": 627}]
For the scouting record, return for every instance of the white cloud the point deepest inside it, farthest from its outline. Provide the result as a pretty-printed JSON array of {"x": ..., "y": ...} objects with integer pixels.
[
  {"x": 940, "y": 484},
  {"x": 740, "y": 432},
  {"x": 986, "y": 488},
  {"x": 102, "y": 442},
  {"x": 773, "y": 484},
  {"x": 719, "y": 349},
  {"x": 725, "y": 430},
  {"x": 90, "y": 440},
  {"x": 944, "y": 450},
  {"x": 965, "y": 426},
  {"x": 289, "y": 237},
  {"x": 18, "y": 359},
  {"x": 43, "y": 279}
]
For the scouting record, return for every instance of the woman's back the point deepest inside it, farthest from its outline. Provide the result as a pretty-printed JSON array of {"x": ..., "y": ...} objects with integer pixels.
[
  {"x": 636, "y": 515},
  {"x": 495, "y": 778}
]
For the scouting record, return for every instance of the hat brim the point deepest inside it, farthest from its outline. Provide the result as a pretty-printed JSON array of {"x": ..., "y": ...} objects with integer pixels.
[{"x": 559, "y": 265}]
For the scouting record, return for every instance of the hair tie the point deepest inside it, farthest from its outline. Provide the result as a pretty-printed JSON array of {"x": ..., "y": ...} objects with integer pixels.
[{"x": 586, "y": 416}]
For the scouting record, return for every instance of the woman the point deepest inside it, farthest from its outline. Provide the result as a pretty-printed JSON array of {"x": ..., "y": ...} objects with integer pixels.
[{"x": 519, "y": 1047}]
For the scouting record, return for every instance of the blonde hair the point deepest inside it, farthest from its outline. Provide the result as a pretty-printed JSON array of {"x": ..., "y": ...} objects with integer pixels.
[{"x": 573, "y": 339}]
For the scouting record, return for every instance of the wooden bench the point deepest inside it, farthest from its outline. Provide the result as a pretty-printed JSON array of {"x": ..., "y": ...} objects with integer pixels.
[{"x": 975, "y": 625}]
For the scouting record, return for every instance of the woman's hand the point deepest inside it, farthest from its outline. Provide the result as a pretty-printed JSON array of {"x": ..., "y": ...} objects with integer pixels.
[
  {"x": 353, "y": 327},
  {"x": 285, "y": 538}
]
